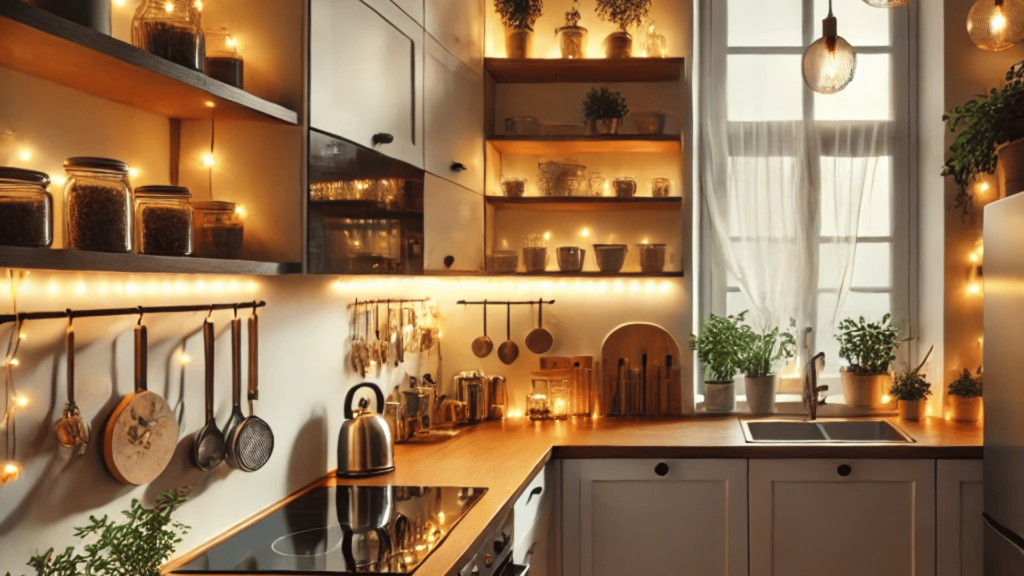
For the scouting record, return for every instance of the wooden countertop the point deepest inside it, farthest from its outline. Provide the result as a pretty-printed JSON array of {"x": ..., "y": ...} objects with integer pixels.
[{"x": 504, "y": 456}]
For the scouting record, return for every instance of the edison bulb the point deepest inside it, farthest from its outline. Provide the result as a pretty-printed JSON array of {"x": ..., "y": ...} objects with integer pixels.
[
  {"x": 996, "y": 24},
  {"x": 829, "y": 64}
]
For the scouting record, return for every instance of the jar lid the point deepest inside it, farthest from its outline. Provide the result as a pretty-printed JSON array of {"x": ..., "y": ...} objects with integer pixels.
[
  {"x": 26, "y": 176},
  {"x": 170, "y": 191},
  {"x": 215, "y": 206},
  {"x": 90, "y": 163}
]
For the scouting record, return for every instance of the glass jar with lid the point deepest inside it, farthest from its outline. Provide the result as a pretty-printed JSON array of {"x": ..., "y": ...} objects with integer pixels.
[
  {"x": 171, "y": 29},
  {"x": 98, "y": 205},
  {"x": 222, "y": 59},
  {"x": 26, "y": 208},
  {"x": 217, "y": 230},
  {"x": 163, "y": 220}
]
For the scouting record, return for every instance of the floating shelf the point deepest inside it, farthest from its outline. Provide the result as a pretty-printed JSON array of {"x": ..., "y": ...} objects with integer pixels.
[
  {"x": 549, "y": 70},
  {"x": 568, "y": 145},
  {"x": 78, "y": 260},
  {"x": 587, "y": 203},
  {"x": 595, "y": 274},
  {"x": 47, "y": 46}
]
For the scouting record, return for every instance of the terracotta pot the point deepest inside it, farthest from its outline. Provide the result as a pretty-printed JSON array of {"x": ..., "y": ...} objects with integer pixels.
[
  {"x": 573, "y": 41},
  {"x": 618, "y": 45},
  {"x": 761, "y": 394},
  {"x": 865, "y": 391},
  {"x": 1011, "y": 167},
  {"x": 912, "y": 409},
  {"x": 606, "y": 126},
  {"x": 965, "y": 409},
  {"x": 518, "y": 43},
  {"x": 720, "y": 396}
]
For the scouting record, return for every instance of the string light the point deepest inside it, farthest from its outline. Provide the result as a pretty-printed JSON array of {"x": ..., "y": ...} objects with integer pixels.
[
  {"x": 15, "y": 362},
  {"x": 169, "y": 7},
  {"x": 585, "y": 232},
  {"x": 886, "y": 399},
  {"x": 184, "y": 359},
  {"x": 25, "y": 155},
  {"x": 133, "y": 172},
  {"x": 210, "y": 104},
  {"x": 240, "y": 210},
  {"x": 208, "y": 160},
  {"x": 22, "y": 336},
  {"x": 11, "y": 472},
  {"x": 199, "y": 5},
  {"x": 973, "y": 288},
  {"x": 21, "y": 401},
  {"x": 119, "y": 2}
]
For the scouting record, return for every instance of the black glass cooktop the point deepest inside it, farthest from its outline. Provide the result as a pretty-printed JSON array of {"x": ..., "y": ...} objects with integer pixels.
[{"x": 344, "y": 530}]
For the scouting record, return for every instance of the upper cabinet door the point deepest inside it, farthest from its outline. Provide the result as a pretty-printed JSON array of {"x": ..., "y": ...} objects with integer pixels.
[
  {"x": 413, "y": 8},
  {"x": 366, "y": 75},
  {"x": 459, "y": 26},
  {"x": 454, "y": 119}
]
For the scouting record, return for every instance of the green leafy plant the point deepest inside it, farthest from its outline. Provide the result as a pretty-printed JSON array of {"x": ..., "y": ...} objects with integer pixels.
[
  {"x": 604, "y": 104},
  {"x": 721, "y": 344},
  {"x": 986, "y": 122},
  {"x": 573, "y": 16},
  {"x": 869, "y": 347},
  {"x": 910, "y": 386},
  {"x": 136, "y": 547},
  {"x": 966, "y": 385},
  {"x": 519, "y": 14},
  {"x": 764, "y": 350},
  {"x": 625, "y": 13}
]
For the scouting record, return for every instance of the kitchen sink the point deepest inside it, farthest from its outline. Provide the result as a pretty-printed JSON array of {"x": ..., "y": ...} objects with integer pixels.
[{"x": 824, "y": 431}]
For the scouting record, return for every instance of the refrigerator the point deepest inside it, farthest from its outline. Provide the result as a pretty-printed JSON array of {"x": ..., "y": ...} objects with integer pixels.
[{"x": 1004, "y": 387}]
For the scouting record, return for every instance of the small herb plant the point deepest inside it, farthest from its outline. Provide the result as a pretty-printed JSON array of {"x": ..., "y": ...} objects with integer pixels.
[
  {"x": 910, "y": 386},
  {"x": 519, "y": 14},
  {"x": 764, "y": 350},
  {"x": 987, "y": 121},
  {"x": 573, "y": 16},
  {"x": 966, "y": 386},
  {"x": 869, "y": 347},
  {"x": 137, "y": 547},
  {"x": 604, "y": 104},
  {"x": 721, "y": 344},
  {"x": 625, "y": 13}
]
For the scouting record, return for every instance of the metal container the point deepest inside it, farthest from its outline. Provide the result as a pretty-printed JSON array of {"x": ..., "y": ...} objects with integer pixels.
[
  {"x": 365, "y": 444},
  {"x": 394, "y": 414},
  {"x": 652, "y": 258},
  {"x": 472, "y": 388},
  {"x": 610, "y": 257},
  {"x": 571, "y": 258},
  {"x": 498, "y": 392},
  {"x": 535, "y": 258}
]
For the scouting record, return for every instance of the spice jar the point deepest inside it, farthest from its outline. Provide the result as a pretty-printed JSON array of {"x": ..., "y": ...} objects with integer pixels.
[
  {"x": 222, "y": 60},
  {"x": 163, "y": 220},
  {"x": 171, "y": 30},
  {"x": 217, "y": 230},
  {"x": 98, "y": 205},
  {"x": 26, "y": 208},
  {"x": 625, "y": 187}
]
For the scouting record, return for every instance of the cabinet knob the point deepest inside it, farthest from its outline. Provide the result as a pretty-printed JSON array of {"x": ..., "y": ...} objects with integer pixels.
[
  {"x": 458, "y": 167},
  {"x": 844, "y": 470},
  {"x": 382, "y": 138},
  {"x": 449, "y": 260},
  {"x": 661, "y": 469}
]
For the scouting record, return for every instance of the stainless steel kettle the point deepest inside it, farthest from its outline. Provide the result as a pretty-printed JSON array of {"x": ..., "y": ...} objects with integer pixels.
[{"x": 365, "y": 445}]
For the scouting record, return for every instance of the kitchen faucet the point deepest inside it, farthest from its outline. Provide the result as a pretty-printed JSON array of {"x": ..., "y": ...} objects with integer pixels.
[{"x": 811, "y": 388}]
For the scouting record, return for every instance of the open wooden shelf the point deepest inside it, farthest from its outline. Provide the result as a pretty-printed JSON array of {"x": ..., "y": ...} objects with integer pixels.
[
  {"x": 594, "y": 274},
  {"x": 569, "y": 145},
  {"x": 549, "y": 70},
  {"x": 587, "y": 203},
  {"x": 77, "y": 260},
  {"x": 47, "y": 46}
]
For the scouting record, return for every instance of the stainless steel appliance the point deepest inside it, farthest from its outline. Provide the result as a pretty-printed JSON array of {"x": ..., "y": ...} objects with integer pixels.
[
  {"x": 365, "y": 444},
  {"x": 497, "y": 391},
  {"x": 472, "y": 389},
  {"x": 494, "y": 558}
]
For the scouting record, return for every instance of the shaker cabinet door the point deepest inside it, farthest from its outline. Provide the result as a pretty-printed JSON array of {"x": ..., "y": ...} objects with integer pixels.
[
  {"x": 366, "y": 75},
  {"x": 960, "y": 502},
  {"x": 459, "y": 26},
  {"x": 454, "y": 119},
  {"x": 453, "y": 226}
]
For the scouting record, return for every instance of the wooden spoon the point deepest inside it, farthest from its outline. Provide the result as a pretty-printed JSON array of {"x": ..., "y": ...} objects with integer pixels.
[
  {"x": 483, "y": 345},
  {"x": 539, "y": 340},
  {"x": 509, "y": 350}
]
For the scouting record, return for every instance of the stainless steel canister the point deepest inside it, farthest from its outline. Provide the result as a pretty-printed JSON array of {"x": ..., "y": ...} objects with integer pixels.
[
  {"x": 472, "y": 388},
  {"x": 498, "y": 392}
]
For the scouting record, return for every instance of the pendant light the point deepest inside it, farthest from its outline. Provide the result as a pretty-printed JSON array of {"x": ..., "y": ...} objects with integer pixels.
[
  {"x": 996, "y": 24},
  {"x": 830, "y": 62},
  {"x": 886, "y": 3}
]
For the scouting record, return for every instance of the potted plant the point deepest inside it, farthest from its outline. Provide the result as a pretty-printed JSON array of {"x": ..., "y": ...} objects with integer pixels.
[
  {"x": 625, "y": 13},
  {"x": 518, "y": 17},
  {"x": 993, "y": 135},
  {"x": 869, "y": 348},
  {"x": 911, "y": 390},
  {"x": 965, "y": 397},
  {"x": 572, "y": 38},
  {"x": 760, "y": 354},
  {"x": 604, "y": 110},
  {"x": 719, "y": 347}
]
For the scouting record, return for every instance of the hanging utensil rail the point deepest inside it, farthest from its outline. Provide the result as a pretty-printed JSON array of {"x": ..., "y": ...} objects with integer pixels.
[
  {"x": 505, "y": 303},
  {"x": 24, "y": 316},
  {"x": 389, "y": 301}
]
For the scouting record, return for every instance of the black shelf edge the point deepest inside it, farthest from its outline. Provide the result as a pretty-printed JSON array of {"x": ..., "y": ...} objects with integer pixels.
[{"x": 82, "y": 261}]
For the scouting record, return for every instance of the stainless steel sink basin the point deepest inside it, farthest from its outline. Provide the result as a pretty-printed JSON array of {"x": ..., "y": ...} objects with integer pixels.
[{"x": 824, "y": 431}]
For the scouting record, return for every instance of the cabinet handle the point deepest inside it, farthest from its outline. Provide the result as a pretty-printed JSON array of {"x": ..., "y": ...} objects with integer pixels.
[
  {"x": 844, "y": 470},
  {"x": 382, "y": 138},
  {"x": 535, "y": 492},
  {"x": 449, "y": 260},
  {"x": 661, "y": 469},
  {"x": 458, "y": 167}
]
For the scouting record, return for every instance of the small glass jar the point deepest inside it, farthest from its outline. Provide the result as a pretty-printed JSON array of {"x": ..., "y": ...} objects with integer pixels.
[
  {"x": 537, "y": 407},
  {"x": 222, "y": 59},
  {"x": 98, "y": 205},
  {"x": 661, "y": 187},
  {"x": 625, "y": 187},
  {"x": 559, "y": 398},
  {"x": 599, "y": 184},
  {"x": 163, "y": 220},
  {"x": 513, "y": 187},
  {"x": 26, "y": 209},
  {"x": 218, "y": 230},
  {"x": 171, "y": 29}
]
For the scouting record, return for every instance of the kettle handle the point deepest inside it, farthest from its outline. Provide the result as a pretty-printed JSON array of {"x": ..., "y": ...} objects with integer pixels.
[{"x": 352, "y": 394}]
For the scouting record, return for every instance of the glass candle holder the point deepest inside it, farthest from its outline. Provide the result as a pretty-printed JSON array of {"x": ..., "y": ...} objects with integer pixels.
[
  {"x": 537, "y": 407},
  {"x": 559, "y": 399}
]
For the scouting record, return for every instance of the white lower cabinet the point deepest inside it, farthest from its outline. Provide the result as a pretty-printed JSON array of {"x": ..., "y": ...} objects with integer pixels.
[
  {"x": 535, "y": 529},
  {"x": 654, "y": 517},
  {"x": 842, "y": 517},
  {"x": 960, "y": 528},
  {"x": 453, "y": 227}
]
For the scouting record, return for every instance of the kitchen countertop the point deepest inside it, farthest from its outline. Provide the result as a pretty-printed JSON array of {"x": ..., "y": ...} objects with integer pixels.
[{"x": 504, "y": 456}]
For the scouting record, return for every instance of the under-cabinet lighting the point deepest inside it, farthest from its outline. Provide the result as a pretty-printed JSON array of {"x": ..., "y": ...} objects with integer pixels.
[
  {"x": 119, "y": 2},
  {"x": 547, "y": 235},
  {"x": 21, "y": 401},
  {"x": 210, "y": 104}
]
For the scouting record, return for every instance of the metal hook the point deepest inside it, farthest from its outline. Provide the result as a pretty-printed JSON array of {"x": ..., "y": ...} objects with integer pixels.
[
  {"x": 141, "y": 314},
  {"x": 255, "y": 305},
  {"x": 71, "y": 316},
  {"x": 210, "y": 313}
]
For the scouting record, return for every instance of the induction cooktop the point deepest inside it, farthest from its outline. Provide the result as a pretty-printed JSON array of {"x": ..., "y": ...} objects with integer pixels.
[{"x": 343, "y": 530}]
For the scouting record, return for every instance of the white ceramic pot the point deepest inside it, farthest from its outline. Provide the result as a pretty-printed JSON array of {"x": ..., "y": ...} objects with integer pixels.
[
  {"x": 1011, "y": 167},
  {"x": 518, "y": 43},
  {"x": 965, "y": 409},
  {"x": 720, "y": 396},
  {"x": 912, "y": 409},
  {"x": 865, "y": 391},
  {"x": 761, "y": 394}
]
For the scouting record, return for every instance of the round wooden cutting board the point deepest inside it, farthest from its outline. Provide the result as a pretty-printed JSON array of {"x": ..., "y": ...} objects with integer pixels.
[{"x": 140, "y": 438}]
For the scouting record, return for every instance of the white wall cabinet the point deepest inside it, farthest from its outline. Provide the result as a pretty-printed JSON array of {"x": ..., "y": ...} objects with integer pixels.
[
  {"x": 366, "y": 75},
  {"x": 960, "y": 529},
  {"x": 459, "y": 26},
  {"x": 842, "y": 517},
  {"x": 454, "y": 102},
  {"x": 453, "y": 226},
  {"x": 685, "y": 517}
]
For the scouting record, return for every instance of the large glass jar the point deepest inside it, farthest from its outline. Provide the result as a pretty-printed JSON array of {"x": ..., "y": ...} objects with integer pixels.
[
  {"x": 218, "y": 230},
  {"x": 98, "y": 205},
  {"x": 163, "y": 220},
  {"x": 222, "y": 60},
  {"x": 171, "y": 29},
  {"x": 26, "y": 208}
]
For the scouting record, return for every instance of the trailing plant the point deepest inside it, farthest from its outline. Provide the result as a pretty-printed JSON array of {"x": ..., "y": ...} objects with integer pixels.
[
  {"x": 604, "y": 104},
  {"x": 764, "y": 350},
  {"x": 869, "y": 347},
  {"x": 721, "y": 344},
  {"x": 573, "y": 16},
  {"x": 519, "y": 14},
  {"x": 910, "y": 386},
  {"x": 625, "y": 13},
  {"x": 987, "y": 121},
  {"x": 137, "y": 547},
  {"x": 967, "y": 386}
]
